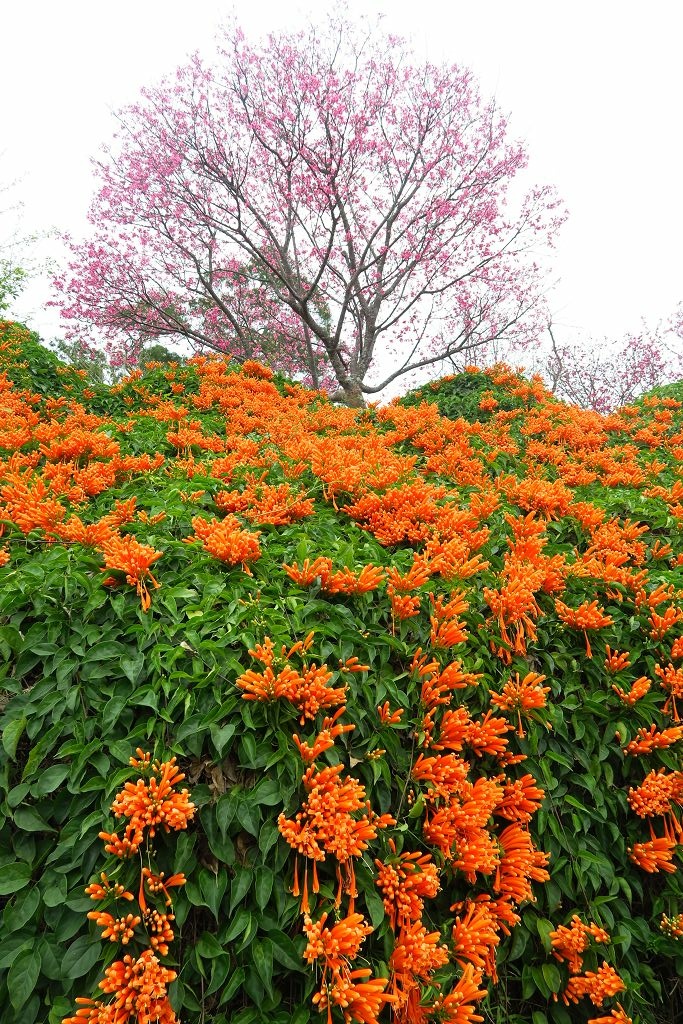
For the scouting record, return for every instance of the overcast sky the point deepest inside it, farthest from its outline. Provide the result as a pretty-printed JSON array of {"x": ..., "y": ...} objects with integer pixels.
[{"x": 594, "y": 87}]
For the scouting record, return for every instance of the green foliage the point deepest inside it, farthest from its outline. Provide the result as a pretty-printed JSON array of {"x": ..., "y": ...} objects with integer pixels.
[{"x": 87, "y": 676}]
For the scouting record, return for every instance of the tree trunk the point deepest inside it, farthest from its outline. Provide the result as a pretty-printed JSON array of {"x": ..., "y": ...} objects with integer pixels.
[{"x": 352, "y": 396}]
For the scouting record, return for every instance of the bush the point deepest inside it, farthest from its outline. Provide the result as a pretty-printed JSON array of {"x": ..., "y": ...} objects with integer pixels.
[{"x": 449, "y": 615}]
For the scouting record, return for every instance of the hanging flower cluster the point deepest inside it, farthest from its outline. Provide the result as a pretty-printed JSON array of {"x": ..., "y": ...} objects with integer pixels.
[{"x": 137, "y": 984}]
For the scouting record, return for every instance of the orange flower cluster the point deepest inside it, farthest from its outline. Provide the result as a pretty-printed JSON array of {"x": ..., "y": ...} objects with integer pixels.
[
  {"x": 639, "y": 687},
  {"x": 616, "y": 1016},
  {"x": 653, "y": 739},
  {"x": 328, "y": 824},
  {"x": 264, "y": 503},
  {"x": 597, "y": 985},
  {"x": 526, "y": 572},
  {"x": 307, "y": 688},
  {"x": 569, "y": 943},
  {"x": 448, "y": 630},
  {"x": 148, "y": 804},
  {"x": 335, "y": 948},
  {"x": 654, "y": 855},
  {"x": 522, "y": 696},
  {"x": 616, "y": 661},
  {"x": 138, "y": 984},
  {"x": 672, "y": 682},
  {"x": 127, "y": 555},
  {"x": 226, "y": 540},
  {"x": 140, "y": 989},
  {"x": 343, "y": 581},
  {"x": 588, "y": 615},
  {"x": 672, "y": 926}
]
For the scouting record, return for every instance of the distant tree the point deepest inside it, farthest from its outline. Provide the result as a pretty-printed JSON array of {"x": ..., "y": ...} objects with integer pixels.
[
  {"x": 13, "y": 276},
  {"x": 606, "y": 374},
  {"x": 320, "y": 200}
]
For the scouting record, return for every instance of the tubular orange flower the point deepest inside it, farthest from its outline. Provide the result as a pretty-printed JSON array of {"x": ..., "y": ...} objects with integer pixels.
[
  {"x": 638, "y": 690},
  {"x": 458, "y": 1006},
  {"x": 651, "y": 739},
  {"x": 359, "y": 1001},
  {"x": 150, "y": 804},
  {"x": 522, "y": 696},
  {"x": 387, "y": 717},
  {"x": 616, "y": 661},
  {"x": 672, "y": 681},
  {"x": 116, "y": 929},
  {"x": 672, "y": 926},
  {"x": 597, "y": 985},
  {"x": 405, "y": 882},
  {"x": 127, "y": 555},
  {"x": 654, "y": 855},
  {"x": 475, "y": 938},
  {"x": 588, "y": 615},
  {"x": 521, "y": 799},
  {"x": 569, "y": 943},
  {"x": 226, "y": 541}
]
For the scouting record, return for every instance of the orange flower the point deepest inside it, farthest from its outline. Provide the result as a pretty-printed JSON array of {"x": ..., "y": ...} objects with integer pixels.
[
  {"x": 358, "y": 1000},
  {"x": 127, "y": 555},
  {"x": 405, "y": 882},
  {"x": 387, "y": 717},
  {"x": 569, "y": 943},
  {"x": 226, "y": 541},
  {"x": 597, "y": 985},
  {"x": 638, "y": 690},
  {"x": 650, "y": 739},
  {"x": 148, "y": 805},
  {"x": 475, "y": 938},
  {"x": 672, "y": 680},
  {"x": 337, "y": 945},
  {"x": 326, "y": 825},
  {"x": 522, "y": 696},
  {"x": 616, "y": 661},
  {"x": 521, "y": 799},
  {"x": 457, "y": 1007},
  {"x": 116, "y": 929},
  {"x": 325, "y": 738},
  {"x": 655, "y": 855},
  {"x": 588, "y": 615}
]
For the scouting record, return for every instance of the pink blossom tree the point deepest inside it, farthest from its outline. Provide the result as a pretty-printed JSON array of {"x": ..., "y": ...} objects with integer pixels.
[
  {"x": 321, "y": 200},
  {"x": 606, "y": 374}
]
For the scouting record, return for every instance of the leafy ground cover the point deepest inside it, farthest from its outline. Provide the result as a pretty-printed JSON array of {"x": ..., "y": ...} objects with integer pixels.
[{"x": 418, "y": 666}]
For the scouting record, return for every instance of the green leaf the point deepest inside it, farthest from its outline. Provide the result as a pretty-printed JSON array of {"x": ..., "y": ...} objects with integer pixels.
[
  {"x": 208, "y": 946},
  {"x": 240, "y": 922},
  {"x": 106, "y": 651},
  {"x": 22, "y": 977},
  {"x": 552, "y": 976},
  {"x": 225, "y": 810},
  {"x": 21, "y": 910},
  {"x": 14, "y": 877},
  {"x": 28, "y": 819},
  {"x": 50, "y": 779},
  {"x": 285, "y": 952},
  {"x": 11, "y": 735},
  {"x": 262, "y": 957},
  {"x": 241, "y": 884},
  {"x": 221, "y": 737},
  {"x": 131, "y": 665},
  {"x": 248, "y": 815},
  {"x": 81, "y": 957},
  {"x": 235, "y": 983},
  {"x": 263, "y": 885},
  {"x": 544, "y": 928}
]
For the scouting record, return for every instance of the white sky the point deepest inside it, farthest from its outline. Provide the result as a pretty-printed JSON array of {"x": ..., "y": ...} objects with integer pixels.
[{"x": 594, "y": 87}]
